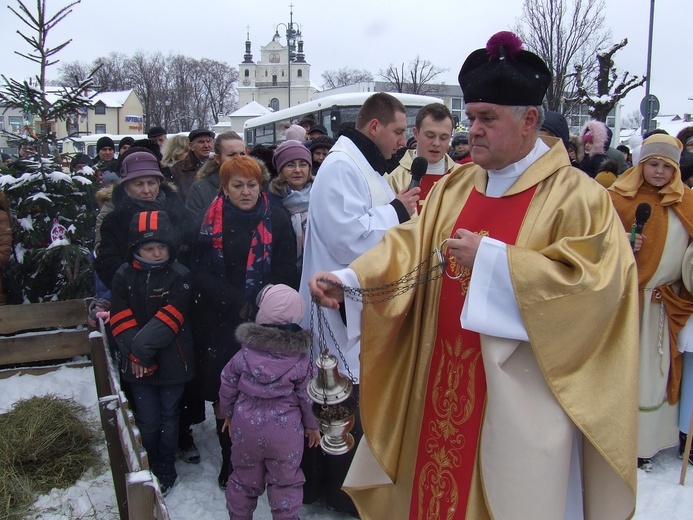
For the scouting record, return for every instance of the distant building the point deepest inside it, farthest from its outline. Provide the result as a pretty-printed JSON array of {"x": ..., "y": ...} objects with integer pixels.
[
  {"x": 281, "y": 67},
  {"x": 578, "y": 115},
  {"x": 118, "y": 112},
  {"x": 235, "y": 120}
]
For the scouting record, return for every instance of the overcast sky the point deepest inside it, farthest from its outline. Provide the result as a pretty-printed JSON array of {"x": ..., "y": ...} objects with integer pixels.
[{"x": 363, "y": 34}]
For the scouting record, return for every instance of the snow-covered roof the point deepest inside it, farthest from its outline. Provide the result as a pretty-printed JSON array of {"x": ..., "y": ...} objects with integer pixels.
[
  {"x": 669, "y": 123},
  {"x": 252, "y": 109},
  {"x": 112, "y": 99}
]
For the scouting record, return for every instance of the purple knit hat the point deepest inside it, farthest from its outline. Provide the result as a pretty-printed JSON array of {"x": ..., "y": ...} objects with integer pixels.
[
  {"x": 140, "y": 164},
  {"x": 290, "y": 151}
]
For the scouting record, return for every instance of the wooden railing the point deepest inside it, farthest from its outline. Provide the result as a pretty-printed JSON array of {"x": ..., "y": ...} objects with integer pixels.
[
  {"x": 41, "y": 334},
  {"x": 50, "y": 335},
  {"x": 137, "y": 491}
]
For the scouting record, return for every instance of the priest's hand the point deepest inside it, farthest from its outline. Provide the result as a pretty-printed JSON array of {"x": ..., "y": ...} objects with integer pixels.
[
  {"x": 326, "y": 288},
  {"x": 464, "y": 246}
]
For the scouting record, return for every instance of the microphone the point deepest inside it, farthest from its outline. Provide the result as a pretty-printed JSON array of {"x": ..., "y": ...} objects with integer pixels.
[
  {"x": 642, "y": 214},
  {"x": 419, "y": 166}
]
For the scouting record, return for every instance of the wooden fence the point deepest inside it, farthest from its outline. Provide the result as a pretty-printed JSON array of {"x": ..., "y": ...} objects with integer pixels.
[{"x": 50, "y": 335}]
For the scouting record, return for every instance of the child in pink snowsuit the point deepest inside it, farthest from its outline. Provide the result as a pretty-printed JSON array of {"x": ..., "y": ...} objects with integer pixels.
[{"x": 263, "y": 397}]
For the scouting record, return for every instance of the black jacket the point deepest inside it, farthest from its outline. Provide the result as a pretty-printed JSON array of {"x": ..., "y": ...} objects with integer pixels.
[
  {"x": 150, "y": 308},
  {"x": 112, "y": 252},
  {"x": 219, "y": 301}
]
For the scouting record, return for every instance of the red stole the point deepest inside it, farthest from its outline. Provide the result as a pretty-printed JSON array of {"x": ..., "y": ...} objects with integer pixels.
[
  {"x": 456, "y": 388},
  {"x": 427, "y": 183}
]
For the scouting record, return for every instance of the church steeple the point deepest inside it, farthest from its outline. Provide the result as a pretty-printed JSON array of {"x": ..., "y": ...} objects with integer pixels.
[
  {"x": 300, "y": 57},
  {"x": 247, "y": 57}
]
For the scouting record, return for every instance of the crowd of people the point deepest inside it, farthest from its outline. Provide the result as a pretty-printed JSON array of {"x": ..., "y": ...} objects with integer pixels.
[{"x": 550, "y": 358}]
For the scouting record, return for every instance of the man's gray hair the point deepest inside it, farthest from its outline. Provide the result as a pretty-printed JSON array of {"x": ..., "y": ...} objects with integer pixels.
[{"x": 519, "y": 112}]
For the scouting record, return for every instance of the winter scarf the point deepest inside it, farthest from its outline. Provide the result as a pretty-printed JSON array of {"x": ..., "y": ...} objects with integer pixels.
[
  {"x": 296, "y": 202},
  {"x": 150, "y": 205},
  {"x": 259, "y": 254},
  {"x": 147, "y": 265}
]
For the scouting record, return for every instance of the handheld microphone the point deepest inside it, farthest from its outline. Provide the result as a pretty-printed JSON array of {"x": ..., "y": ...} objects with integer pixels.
[
  {"x": 642, "y": 214},
  {"x": 419, "y": 166}
]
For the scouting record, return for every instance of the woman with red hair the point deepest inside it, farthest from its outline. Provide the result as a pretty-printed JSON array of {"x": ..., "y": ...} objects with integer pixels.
[{"x": 243, "y": 245}]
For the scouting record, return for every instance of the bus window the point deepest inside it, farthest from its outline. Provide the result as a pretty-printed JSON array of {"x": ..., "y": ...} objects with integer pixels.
[
  {"x": 331, "y": 120},
  {"x": 280, "y": 128},
  {"x": 264, "y": 134},
  {"x": 347, "y": 115},
  {"x": 411, "y": 119}
]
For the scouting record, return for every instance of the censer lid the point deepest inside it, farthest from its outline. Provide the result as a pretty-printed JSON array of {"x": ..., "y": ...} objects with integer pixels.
[{"x": 329, "y": 386}]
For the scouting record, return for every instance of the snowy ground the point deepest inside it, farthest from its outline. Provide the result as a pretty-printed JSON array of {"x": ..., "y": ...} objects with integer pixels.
[{"x": 197, "y": 495}]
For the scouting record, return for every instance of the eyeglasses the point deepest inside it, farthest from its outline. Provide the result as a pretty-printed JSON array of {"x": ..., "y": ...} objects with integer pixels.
[{"x": 292, "y": 165}]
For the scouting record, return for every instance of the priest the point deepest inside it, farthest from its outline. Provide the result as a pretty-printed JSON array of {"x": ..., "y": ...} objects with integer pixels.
[{"x": 507, "y": 387}]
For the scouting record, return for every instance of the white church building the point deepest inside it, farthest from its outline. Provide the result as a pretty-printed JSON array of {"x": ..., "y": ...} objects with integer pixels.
[{"x": 280, "y": 79}]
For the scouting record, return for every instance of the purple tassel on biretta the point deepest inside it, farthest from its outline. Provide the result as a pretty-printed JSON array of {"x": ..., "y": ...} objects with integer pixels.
[{"x": 504, "y": 44}]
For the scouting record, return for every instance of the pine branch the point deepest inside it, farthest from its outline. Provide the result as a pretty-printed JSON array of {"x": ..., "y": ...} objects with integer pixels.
[{"x": 28, "y": 13}]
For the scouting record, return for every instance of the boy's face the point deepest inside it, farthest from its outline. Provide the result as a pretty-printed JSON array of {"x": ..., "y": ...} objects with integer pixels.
[{"x": 154, "y": 251}]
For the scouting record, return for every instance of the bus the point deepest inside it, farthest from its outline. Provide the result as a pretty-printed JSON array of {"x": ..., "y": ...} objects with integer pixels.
[{"x": 330, "y": 111}]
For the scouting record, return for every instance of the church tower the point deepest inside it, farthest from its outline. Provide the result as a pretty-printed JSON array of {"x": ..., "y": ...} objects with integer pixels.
[{"x": 282, "y": 76}]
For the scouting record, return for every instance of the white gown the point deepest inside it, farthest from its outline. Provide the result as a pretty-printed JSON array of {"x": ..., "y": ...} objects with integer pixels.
[{"x": 349, "y": 212}]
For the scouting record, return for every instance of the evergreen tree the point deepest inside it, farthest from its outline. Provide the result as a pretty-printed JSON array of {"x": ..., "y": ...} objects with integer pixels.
[{"x": 53, "y": 212}]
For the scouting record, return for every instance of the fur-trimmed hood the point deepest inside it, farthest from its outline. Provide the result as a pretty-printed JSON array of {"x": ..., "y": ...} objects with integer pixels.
[
  {"x": 104, "y": 195},
  {"x": 600, "y": 136},
  {"x": 273, "y": 355},
  {"x": 278, "y": 339}
]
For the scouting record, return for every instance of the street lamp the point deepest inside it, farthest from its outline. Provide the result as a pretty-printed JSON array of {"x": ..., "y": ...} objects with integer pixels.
[
  {"x": 293, "y": 32},
  {"x": 648, "y": 108}
]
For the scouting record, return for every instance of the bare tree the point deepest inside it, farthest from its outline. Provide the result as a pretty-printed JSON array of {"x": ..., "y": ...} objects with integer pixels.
[
  {"x": 345, "y": 76},
  {"x": 632, "y": 120},
  {"x": 72, "y": 73},
  {"x": 177, "y": 92},
  {"x": 610, "y": 88},
  {"x": 219, "y": 82},
  {"x": 417, "y": 78},
  {"x": 113, "y": 72},
  {"x": 565, "y": 34},
  {"x": 147, "y": 74}
]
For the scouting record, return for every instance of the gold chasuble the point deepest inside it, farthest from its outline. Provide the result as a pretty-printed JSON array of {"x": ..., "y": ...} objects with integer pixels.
[
  {"x": 456, "y": 382},
  {"x": 575, "y": 284}
]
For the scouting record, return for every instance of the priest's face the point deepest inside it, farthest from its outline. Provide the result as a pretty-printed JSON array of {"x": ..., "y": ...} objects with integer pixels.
[{"x": 497, "y": 138}]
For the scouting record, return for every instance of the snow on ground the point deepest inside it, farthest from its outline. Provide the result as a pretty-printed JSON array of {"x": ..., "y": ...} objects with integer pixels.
[{"x": 196, "y": 495}]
